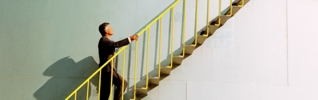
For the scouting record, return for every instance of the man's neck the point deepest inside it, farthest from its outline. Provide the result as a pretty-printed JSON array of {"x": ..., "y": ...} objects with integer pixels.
[{"x": 108, "y": 36}]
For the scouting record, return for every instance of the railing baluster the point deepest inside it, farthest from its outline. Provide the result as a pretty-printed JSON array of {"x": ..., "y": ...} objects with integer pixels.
[
  {"x": 207, "y": 19},
  {"x": 219, "y": 14},
  {"x": 99, "y": 83},
  {"x": 111, "y": 80},
  {"x": 172, "y": 36},
  {"x": 123, "y": 74},
  {"x": 87, "y": 89},
  {"x": 196, "y": 23},
  {"x": 147, "y": 58},
  {"x": 75, "y": 95},
  {"x": 242, "y": 3},
  {"x": 183, "y": 28},
  {"x": 160, "y": 38},
  {"x": 135, "y": 67},
  {"x": 231, "y": 8}
]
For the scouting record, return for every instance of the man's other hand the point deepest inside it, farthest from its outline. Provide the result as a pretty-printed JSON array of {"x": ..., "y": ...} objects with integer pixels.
[{"x": 134, "y": 37}]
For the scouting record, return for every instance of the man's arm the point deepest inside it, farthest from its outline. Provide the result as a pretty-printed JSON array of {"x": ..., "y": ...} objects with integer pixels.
[
  {"x": 118, "y": 43},
  {"x": 122, "y": 42}
]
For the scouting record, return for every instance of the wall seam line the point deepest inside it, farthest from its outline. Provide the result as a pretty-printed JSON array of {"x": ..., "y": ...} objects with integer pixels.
[{"x": 287, "y": 41}]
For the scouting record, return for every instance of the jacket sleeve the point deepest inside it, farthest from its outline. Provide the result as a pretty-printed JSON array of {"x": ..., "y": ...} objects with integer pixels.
[{"x": 118, "y": 43}]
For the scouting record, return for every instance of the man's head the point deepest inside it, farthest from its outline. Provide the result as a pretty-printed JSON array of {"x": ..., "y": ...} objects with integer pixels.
[{"x": 105, "y": 29}]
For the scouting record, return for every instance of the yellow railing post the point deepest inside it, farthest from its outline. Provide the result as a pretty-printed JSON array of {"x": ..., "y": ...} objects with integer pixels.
[
  {"x": 242, "y": 3},
  {"x": 135, "y": 67},
  {"x": 196, "y": 23},
  {"x": 231, "y": 8},
  {"x": 183, "y": 28},
  {"x": 147, "y": 58},
  {"x": 172, "y": 37},
  {"x": 147, "y": 61},
  {"x": 111, "y": 80},
  {"x": 99, "y": 83},
  {"x": 123, "y": 74},
  {"x": 219, "y": 14},
  {"x": 87, "y": 89},
  {"x": 160, "y": 38},
  {"x": 207, "y": 19},
  {"x": 75, "y": 95}
]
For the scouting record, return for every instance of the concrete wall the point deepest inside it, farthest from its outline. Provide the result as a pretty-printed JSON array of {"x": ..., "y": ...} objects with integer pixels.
[
  {"x": 267, "y": 51},
  {"x": 49, "y": 47}
]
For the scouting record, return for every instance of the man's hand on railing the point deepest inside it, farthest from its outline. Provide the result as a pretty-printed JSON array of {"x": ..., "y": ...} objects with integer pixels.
[{"x": 134, "y": 37}]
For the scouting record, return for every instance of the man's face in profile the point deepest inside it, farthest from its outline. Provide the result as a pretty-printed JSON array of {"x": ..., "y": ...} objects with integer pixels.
[{"x": 109, "y": 30}]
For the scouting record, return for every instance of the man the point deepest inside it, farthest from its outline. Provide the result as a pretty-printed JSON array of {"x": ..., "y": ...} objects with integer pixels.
[{"x": 106, "y": 49}]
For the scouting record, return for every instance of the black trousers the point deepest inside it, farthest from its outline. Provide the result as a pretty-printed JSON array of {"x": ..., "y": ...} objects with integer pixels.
[{"x": 105, "y": 85}]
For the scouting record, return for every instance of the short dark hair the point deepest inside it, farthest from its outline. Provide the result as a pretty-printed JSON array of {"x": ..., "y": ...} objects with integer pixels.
[{"x": 102, "y": 28}]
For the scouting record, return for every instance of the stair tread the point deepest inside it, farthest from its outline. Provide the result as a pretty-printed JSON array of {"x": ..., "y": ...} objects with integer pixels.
[{"x": 141, "y": 91}]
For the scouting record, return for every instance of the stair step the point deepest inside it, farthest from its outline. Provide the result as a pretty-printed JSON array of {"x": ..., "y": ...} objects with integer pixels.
[
  {"x": 224, "y": 18},
  {"x": 201, "y": 39},
  {"x": 154, "y": 81},
  {"x": 141, "y": 92},
  {"x": 165, "y": 70},
  {"x": 212, "y": 29},
  {"x": 177, "y": 59},
  {"x": 235, "y": 9},
  {"x": 245, "y": 1},
  {"x": 189, "y": 49}
]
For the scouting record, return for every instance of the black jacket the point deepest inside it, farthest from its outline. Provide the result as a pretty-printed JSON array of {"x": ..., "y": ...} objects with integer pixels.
[{"x": 106, "y": 49}]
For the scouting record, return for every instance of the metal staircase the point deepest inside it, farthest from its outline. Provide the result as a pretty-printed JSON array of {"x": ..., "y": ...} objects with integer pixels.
[
  {"x": 188, "y": 49},
  {"x": 175, "y": 61}
]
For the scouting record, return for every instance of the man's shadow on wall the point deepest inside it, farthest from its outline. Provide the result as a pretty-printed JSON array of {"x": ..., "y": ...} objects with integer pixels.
[{"x": 67, "y": 75}]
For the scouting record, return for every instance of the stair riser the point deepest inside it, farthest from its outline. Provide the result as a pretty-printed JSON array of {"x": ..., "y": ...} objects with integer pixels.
[
  {"x": 154, "y": 81},
  {"x": 245, "y": 1},
  {"x": 177, "y": 60},
  {"x": 212, "y": 29},
  {"x": 224, "y": 19},
  {"x": 141, "y": 92},
  {"x": 165, "y": 71},
  {"x": 201, "y": 39},
  {"x": 234, "y": 10},
  {"x": 189, "y": 49}
]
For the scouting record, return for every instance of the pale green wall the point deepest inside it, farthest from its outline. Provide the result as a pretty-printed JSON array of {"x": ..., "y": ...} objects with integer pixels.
[{"x": 49, "y": 47}]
